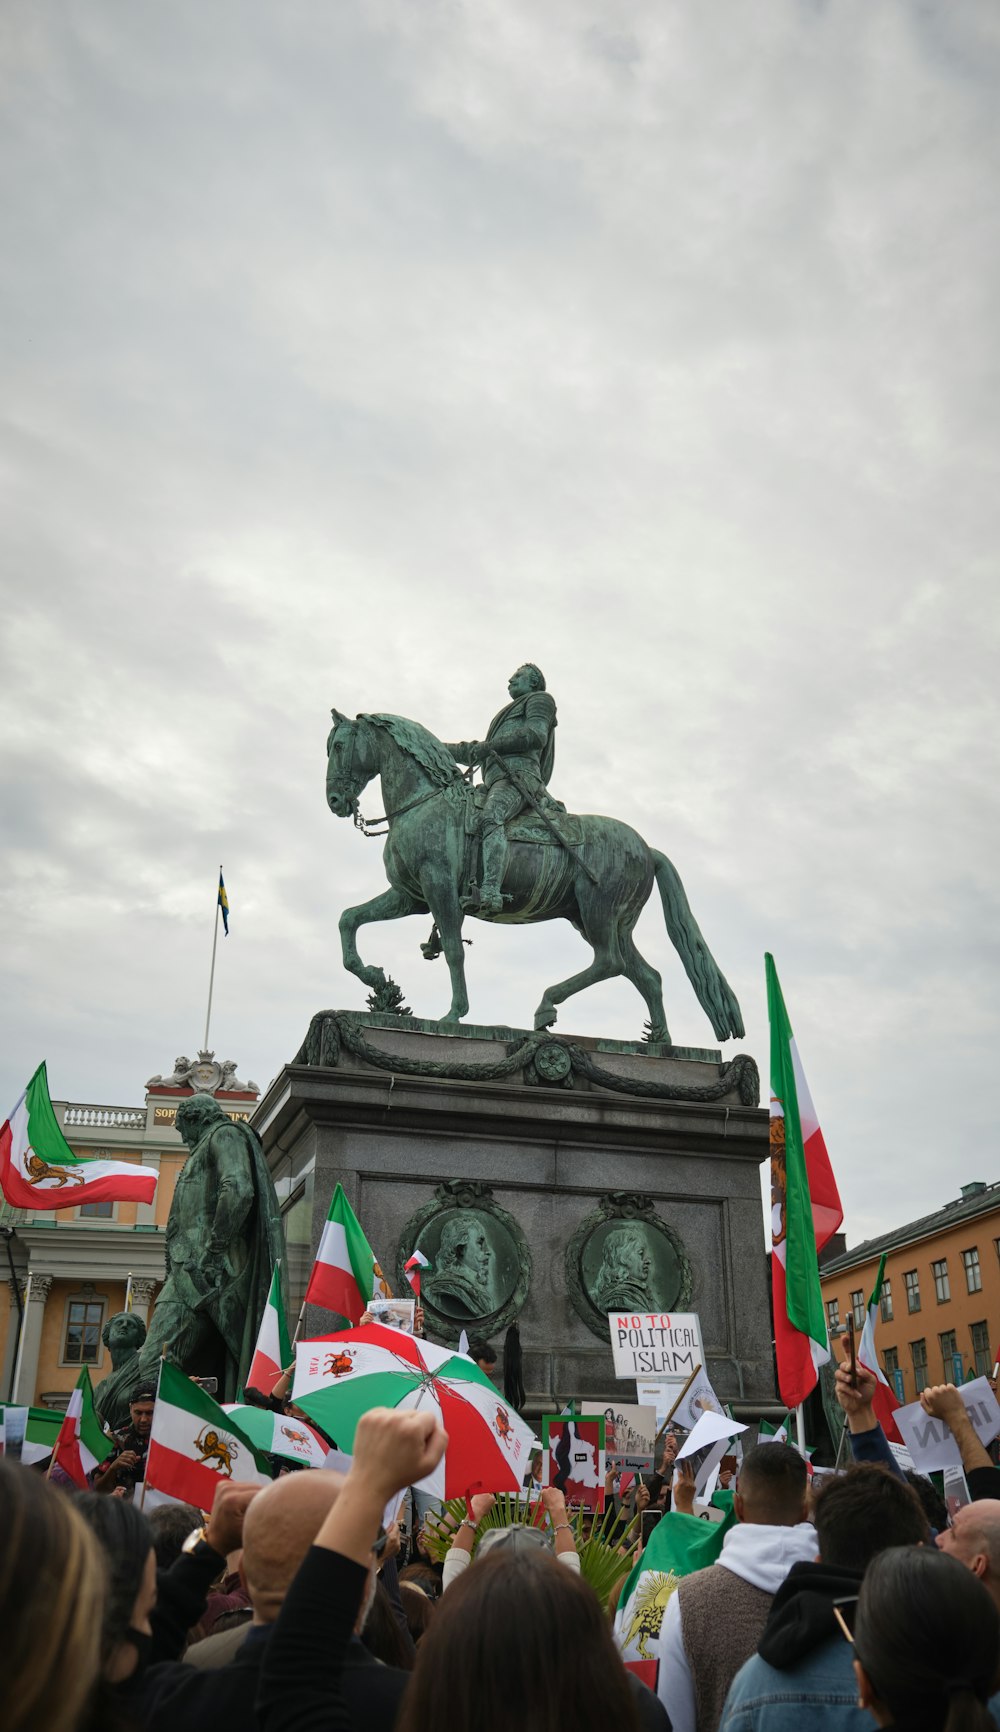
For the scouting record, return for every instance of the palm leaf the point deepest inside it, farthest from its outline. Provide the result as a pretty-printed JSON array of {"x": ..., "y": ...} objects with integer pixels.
[{"x": 602, "y": 1563}]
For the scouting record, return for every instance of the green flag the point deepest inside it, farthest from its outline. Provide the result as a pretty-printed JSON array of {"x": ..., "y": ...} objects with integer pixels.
[{"x": 679, "y": 1545}]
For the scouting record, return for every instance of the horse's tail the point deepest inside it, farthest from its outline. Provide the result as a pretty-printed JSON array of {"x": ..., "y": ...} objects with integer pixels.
[{"x": 714, "y": 993}]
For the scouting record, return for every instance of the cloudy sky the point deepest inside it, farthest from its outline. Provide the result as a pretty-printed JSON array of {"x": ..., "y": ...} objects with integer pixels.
[{"x": 352, "y": 354}]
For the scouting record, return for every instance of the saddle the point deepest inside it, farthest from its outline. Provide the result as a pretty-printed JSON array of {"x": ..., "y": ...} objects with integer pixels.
[{"x": 527, "y": 827}]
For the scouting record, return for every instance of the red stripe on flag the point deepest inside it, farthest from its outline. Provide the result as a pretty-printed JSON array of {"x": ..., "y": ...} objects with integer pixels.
[
  {"x": 263, "y": 1374},
  {"x": 336, "y": 1290},
  {"x": 827, "y": 1209},
  {"x": 797, "y": 1375},
  {"x": 180, "y": 1477},
  {"x": 114, "y": 1188}
]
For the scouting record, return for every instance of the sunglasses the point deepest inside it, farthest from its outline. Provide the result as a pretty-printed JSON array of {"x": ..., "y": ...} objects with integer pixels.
[{"x": 845, "y": 1611}]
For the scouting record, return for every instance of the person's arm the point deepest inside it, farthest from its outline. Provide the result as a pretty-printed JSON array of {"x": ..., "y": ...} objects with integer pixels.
[
  {"x": 943, "y": 1401},
  {"x": 868, "y": 1440},
  {"x": 683, "y": 1490},
  {"x": 182, "y": 1591},
  {"x": 563, "y": 1538},
  {"x": 460, "y": 1551},
  {"x": 674, "y": 1684},
  {"x": 299, "y": 1689}
]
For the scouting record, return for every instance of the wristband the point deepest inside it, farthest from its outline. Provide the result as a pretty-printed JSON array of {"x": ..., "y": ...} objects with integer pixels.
[
  {"x": 561, "y": 1527},
  {"x": 467, "y": 1522}
]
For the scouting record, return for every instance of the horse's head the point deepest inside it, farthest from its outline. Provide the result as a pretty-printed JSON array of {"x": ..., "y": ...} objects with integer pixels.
[{"x": 352, "y": 761}]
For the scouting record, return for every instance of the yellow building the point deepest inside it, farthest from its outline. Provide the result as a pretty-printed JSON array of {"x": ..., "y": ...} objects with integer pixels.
[
  {"x": 940, "y": 1309},
  {"x": 68, "y": 1269}
]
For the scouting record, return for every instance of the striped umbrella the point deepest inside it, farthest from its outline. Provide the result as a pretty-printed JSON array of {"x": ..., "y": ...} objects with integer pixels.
[
  {"x": 278, "y": 1434},
  {"x": 340, "y": 1377}
]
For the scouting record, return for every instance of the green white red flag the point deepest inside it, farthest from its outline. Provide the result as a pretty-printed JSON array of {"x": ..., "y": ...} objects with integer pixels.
[
  {"x": 82, "y": 1443},
  {"x": 274, "y": 1348},
  {"x": 884, "y": 1400},
  {"x": 346, "y": 1274},
  {"x": 38, "y": 1169},
  {"x": 805, "y": 1210},
  {"x": 194, "y": 1444}
]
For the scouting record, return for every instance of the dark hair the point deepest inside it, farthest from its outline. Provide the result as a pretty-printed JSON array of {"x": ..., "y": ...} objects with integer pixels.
[
  {"x": 125, "y": 1538},
  {"x": 773, "y": 1480},
  {"x": 519, "y": 1640},
  {"x": 422, "y": 1576},
  {"x": 929, "y": 1498},
  {"x": 419, "y": 1609},
  {"x": 481, "y": 1349},
  {"x": 382, "y": 1635},
  {"x": 864, "y": 1511},
  {"x": 169, "y": 1526},
  {"x": 52, "y": 1587},
  {"x": 927, "y": 1634}
]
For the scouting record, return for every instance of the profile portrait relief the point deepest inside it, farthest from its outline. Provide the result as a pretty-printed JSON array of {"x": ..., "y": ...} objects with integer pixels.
[
  {"x": 623, "y": 1279},
  {"x": 465, "y": 1272}
]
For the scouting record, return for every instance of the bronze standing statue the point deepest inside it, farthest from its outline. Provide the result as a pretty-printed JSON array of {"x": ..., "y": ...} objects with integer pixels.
[{"x": 509, "y": 853}]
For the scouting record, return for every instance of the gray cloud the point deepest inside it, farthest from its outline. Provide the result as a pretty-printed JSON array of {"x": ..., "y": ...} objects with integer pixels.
[{"x": 353, "y": 355}]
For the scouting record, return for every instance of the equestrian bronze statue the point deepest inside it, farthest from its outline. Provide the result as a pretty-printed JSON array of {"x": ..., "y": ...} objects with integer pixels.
[{"x": 508, "y": 853}]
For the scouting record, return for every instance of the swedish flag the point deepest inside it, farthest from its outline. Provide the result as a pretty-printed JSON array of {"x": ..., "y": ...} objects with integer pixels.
[{"x": 224, "y": 903}]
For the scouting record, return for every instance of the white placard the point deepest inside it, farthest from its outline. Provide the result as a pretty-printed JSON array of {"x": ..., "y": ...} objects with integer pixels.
[
  {"x": 660, "y": 1344},
  {"x": 659, "y": 1393},
  {"x": 930, "y": 1442}
]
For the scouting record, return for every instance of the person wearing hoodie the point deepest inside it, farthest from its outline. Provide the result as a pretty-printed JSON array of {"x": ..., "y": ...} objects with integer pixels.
[
  {"x": 715, "y": 1619},
  {"x": 802, "y": 1673}
]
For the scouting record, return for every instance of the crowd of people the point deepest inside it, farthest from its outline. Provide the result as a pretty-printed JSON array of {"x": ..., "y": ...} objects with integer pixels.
[{"x": 290, "y": 1607}]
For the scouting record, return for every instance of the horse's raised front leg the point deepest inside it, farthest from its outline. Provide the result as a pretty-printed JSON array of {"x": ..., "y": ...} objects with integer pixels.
[
  {"x": 441, "y": 894},
  {"x": 391, "y": 905}
]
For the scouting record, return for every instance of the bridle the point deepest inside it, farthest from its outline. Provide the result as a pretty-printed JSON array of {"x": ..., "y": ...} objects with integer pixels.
[{"x": 368, "y": 826}]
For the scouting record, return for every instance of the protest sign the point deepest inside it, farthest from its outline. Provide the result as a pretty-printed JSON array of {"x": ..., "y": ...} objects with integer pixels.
[
  {"x": 655, "y": 1344},
  {"x": 573, "y": 1458},
  {"x": 393, "y": 1313},
  {"x": 659, "y": 1393},
  {"x": 929, "y": 1440},
  {"x": 629, "y": 1435},
  {"x": 697, "y": 1399},
  {"x": 706, "y": 1446}
]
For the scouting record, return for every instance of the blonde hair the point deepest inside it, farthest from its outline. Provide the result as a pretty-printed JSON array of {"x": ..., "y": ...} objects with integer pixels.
[{"x": 52, "y": 1591}]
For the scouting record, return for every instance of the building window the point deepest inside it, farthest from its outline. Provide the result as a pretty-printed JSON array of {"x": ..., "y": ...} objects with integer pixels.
[
  {"x": 973, "y": 1273},
  {"x": 894, "y": 1375},
  {"x": 833, "y": 1316},
  {"x": 885, "y": 1302},
  {"x": 942, "y": 1286},
  {"x": 918, "y": 1350},
  {"x": 949, "y": 1351},
  {"x": 912, "y": 1283},
  {"x": 84, "y": 1318},
  {"x": 858, "y": 1308},
  {"x": 981, "y": 1348},
  {"x": 97, "y": 1211}
]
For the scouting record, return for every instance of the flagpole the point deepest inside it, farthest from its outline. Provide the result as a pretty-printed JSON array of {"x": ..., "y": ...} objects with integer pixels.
[
  {"x": 800, "y": 1430},
  {"x": 21, "y": 1335},
  {"x": 211, "y": 978}
]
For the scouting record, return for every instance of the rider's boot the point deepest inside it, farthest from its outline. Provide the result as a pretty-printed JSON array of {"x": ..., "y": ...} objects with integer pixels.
[{"x": 495, "y": 856}]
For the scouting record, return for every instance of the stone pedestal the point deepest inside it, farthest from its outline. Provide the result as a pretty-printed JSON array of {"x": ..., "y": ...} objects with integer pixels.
[{"x": 553, "y": 1146}]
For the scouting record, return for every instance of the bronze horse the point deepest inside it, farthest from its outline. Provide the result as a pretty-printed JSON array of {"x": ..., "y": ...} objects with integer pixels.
[{"x": 601, "y": 886}]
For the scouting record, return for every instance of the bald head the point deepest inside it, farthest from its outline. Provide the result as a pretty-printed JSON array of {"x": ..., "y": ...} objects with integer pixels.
[
  {"x": 280, "y": 1526},
  {"x": 974, "y": 1539}
]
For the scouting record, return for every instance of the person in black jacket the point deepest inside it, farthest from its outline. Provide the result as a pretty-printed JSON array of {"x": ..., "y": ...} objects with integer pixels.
[
  {"x": 281, "y": 1523},
  {"x": 801, "y": 1674},
  {"x": 148, "y": 1614}
]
